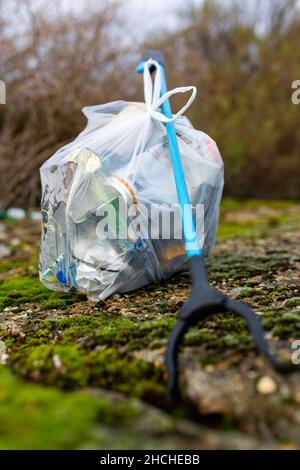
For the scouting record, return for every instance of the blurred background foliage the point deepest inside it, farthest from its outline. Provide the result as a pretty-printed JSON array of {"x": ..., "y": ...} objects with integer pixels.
[{"x": 243, "y": 57}]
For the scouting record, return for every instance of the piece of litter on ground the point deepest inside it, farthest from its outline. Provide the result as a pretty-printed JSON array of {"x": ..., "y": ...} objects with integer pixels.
[
  {"x": 16, "y": 213},
  {"x": 57, "y": 362}
]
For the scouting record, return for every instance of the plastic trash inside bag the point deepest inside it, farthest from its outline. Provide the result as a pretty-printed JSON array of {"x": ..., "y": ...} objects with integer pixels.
[{"x": 110, "y": 220}]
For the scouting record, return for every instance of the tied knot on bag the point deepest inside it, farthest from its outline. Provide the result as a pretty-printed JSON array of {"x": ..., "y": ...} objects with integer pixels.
[{"x": 152, "y": 94}]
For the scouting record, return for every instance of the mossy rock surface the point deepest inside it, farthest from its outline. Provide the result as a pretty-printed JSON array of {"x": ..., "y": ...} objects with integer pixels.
[{"x": 78, "y": 374}]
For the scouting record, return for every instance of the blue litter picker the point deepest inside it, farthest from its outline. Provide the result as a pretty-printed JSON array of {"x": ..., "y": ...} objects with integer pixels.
[{"x": 204, "y": 301}]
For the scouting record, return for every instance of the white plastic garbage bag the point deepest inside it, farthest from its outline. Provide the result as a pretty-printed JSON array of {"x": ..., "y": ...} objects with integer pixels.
[{"x": 111, "y": 221}]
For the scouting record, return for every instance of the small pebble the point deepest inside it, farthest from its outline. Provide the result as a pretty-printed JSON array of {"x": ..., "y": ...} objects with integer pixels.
[
  {"x": 115, "y": 296},
  {"x": 266, "y": 386}
]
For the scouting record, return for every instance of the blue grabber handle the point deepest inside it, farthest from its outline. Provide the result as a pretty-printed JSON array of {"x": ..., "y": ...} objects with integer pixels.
[{"x": 192, "y": 245}]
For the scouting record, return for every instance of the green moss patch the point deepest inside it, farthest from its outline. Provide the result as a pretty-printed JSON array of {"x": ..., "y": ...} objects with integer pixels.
[
  {"x": 69, "y": 346},
  {"x": 36, "y": 417},
  {"x": 25, "y": 289}
]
